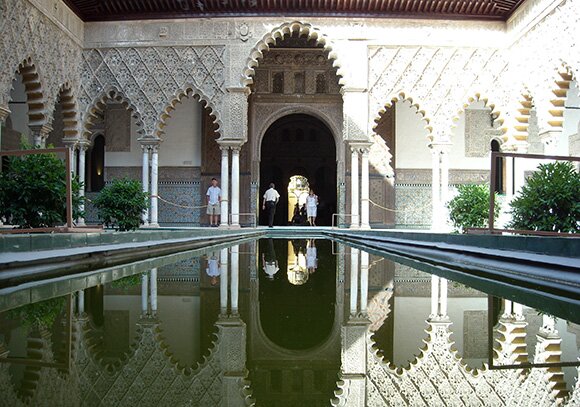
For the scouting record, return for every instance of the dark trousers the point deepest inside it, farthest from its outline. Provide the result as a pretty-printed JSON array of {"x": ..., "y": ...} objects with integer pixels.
[{"x": 271, "y": 209}]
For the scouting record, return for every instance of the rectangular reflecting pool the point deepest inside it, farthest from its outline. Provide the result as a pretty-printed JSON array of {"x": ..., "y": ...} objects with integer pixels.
[{"x": 283, "y": 322}]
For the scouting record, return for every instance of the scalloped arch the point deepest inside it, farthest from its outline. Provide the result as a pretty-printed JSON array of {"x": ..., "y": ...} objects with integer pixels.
[
  {"x": 98, "y": 106},
  {"x": 564, "y": 75},
  {"x": 34, "y": 89},
  {"x": 278, "y": 33},
  {"x": 400, "y": 97},
  {"x": 189, "y": 91},
  {"x": 69, "y": 106},
  {"x": 496, "y": 114}
]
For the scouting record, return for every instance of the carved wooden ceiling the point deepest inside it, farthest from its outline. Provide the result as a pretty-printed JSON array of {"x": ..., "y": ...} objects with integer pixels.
[{"x": 106, "y": 10}]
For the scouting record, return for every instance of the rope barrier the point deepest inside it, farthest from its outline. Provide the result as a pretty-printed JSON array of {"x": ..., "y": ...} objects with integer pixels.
[
  {"x": 399, "y": 210},
  {"x": 180, "y": 206}
]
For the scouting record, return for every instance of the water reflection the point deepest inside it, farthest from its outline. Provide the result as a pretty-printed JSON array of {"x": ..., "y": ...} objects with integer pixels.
[{"x": 340, "y": 326}]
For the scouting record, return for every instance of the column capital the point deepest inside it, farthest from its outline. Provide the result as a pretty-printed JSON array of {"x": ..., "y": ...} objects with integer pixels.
[
  {"x": 359, "y": 146},
  {"x": 4, "y": 112},
  {"x": 440, "y": 147},
  {"x": 43, "y": 129},
  {"x": 71, "y": 143},
  {"x": 150, "y": 141}
]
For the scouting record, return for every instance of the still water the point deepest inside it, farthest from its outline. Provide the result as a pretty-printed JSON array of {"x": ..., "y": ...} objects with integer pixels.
[{"x": 279, "y": 322}]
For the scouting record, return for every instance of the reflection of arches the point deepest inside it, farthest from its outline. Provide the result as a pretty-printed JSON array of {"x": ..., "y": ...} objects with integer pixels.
[
  {"x": 280, "y": 32},
  {"x": 286, "y": 311},
  {"x": 314, "y": 152}
]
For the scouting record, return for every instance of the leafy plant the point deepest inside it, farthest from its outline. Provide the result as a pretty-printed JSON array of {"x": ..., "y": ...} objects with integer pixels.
[
  {"x": 127, "y": 282},
  {"x": 550, "y": 200},
  {"x": 121, "y": 204},
  {"x": 470, "y": 208},
  {"x": 33, "y": 191},
  {"x": 39, "y": 314}
]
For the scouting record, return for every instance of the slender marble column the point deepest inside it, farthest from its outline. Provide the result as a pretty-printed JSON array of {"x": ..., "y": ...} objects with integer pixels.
[
  {"x": 235, "y": 186},
  {"x": 153, "y": 284},
  {"x": 435, "y": 187},
  {"x": 234, "y": 284},
  {"x": 145, "y": 179},
  {"x": 144, "y": 299},
  {"x": 354, "y": 194},
  {"x": 444, "y": 185},
  {"x": 225, "y": 186},
  {"x": 434, "y": 296},
  {"x": 507, "y": 311},
  {"x": 154, "y": 185},
  {"x": 353, "y": 280},
  {"x": 81, "y": 302},
  {"x": 364, "y": 281},
  {"x": 224, "y": 281},
  {"x": 365, "y": 193},
  {"x": 443, "y": 297},
  {"x": 82, "y": 155}
]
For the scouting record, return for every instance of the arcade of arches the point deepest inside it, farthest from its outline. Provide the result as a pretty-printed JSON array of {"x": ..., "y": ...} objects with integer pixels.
[{"x": 383, "y": 130}]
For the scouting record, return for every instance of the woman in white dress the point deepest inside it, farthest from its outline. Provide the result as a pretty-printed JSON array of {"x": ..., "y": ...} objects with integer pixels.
[{"x": 311, "y": 207}]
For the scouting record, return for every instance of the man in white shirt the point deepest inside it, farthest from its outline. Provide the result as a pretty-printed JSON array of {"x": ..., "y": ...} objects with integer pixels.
[
  {"x": 214, "y": 198},
  {"x": 271, "y": 198}
]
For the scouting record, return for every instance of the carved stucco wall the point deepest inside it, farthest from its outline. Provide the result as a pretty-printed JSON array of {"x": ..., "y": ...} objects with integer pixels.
[
  {"x": 27, "y": 33},
  {"x": 153, "y": 78}
]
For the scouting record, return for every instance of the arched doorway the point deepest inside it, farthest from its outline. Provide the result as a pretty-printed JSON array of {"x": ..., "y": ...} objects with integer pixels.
[{"x": 299, "y": 144}]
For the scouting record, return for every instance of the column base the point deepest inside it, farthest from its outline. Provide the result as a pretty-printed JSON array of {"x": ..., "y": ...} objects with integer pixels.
[
  {"x": 235, "y": 226},
  {"x": 365, "y": 227},
  {"x": 144, "y": 225},
  {"x": 153, "y": 225},
  {"x": 354, "y": 227},
  {"x": 81, "y": 222},
  {"x": 223, "y": 226}
]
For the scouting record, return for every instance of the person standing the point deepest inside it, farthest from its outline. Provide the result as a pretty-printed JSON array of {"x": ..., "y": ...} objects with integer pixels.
[
  {"x": 214, "y": 198},
  {"x": 271, "y": 197},
  {"x": 311, "y": 207}
]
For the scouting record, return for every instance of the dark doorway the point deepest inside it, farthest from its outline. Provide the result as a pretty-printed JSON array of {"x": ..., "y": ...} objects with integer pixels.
[
  {"x": 97, "y": 158},
  {"x": 299, "y": 144}
]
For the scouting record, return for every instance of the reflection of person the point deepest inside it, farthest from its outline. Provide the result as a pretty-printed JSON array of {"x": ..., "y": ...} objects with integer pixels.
[
  {"x": 271, "y": 197},
  {"x": 311, "y": 207},
  {"x": 269, "y": 261},
  {"x": 214, "y": 198},
  {"x": 213, "y": 268},
  {"x": 311, "y": 256}
]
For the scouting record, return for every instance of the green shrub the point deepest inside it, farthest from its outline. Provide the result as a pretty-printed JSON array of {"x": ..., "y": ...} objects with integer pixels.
[
  {"x": 470, "y": 208},
  {"x": 33, "y": 191},
  {"x": 127, "y": 282},
  {"x": 39, "y": 314},
  {"x": 121, "y": 204},
  {"x": 550, "y": 200}
]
